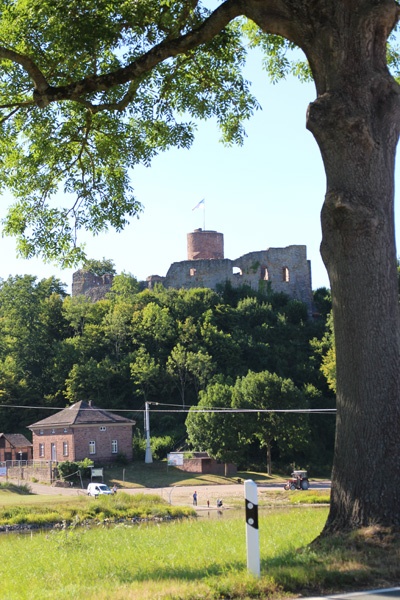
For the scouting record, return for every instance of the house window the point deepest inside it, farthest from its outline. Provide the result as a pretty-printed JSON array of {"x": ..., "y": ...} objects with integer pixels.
[
  {"x": 53, "y": 431},
  {"x": 285, "y": 274},
  {"x": 41, "y": 432},
  {"x": 103, "y": 428},
  {"x": 192, "y": 272},
  {"x": 41, "y": 450},
  {"x": 65, "y": 448},
  {"x": 264, "y": 273},
  {"x": 65, "y": 430},
  {"x": 92, "y": 447},
  {"x": 114, "y": 446}
]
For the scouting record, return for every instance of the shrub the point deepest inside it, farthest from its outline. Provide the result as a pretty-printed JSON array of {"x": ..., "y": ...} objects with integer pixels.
[
  {"x": 139, "y": 446},
  {"x": 160, "y": 446},
  {"x": 70, "y": 470}
]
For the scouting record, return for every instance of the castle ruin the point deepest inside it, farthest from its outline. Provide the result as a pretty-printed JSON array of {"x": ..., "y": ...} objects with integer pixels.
[{"x": 283, "y": 269}]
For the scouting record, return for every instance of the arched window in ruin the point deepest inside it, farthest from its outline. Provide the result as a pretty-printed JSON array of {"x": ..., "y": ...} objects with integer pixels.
[
  {"x": 285, "y": 274},
  {"x": 237, "y": 271},
  {"x": 264, "y": 273},
  {"x": 192, "y": 272}
]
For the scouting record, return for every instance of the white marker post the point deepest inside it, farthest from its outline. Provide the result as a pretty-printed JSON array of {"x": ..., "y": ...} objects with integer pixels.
[{"x": 252, "y": 537}]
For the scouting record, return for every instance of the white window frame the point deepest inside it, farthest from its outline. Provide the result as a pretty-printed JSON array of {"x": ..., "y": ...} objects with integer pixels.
[
  {"x": 92, "y": 447},
  {"x": 41, "y": 451},
  {"x": 114, "y": 446},
  {"x": 65, "y": 449}
]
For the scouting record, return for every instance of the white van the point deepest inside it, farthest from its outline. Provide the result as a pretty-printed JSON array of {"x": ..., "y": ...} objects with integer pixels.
[{"x": 95, "y": 489}]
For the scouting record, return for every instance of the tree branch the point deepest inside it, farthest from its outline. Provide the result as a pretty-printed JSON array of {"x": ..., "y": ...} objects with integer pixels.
[
  {"x": 30, "y": 67},
  {"x": 44, "y": 93}
]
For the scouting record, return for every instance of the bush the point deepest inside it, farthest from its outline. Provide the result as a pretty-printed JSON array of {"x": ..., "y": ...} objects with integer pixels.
[
  {"x": 70, "y": 470},
  {"x": 160, "y": 446},
  {"x": 139, "y": 446}
]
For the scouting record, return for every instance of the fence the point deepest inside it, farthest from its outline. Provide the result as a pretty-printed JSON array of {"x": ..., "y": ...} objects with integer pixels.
[{"x": 27, "y": 470}]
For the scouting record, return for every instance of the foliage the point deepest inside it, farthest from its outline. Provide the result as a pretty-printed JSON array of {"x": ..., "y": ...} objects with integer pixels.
[
  {"x": 280, "y": 419},
  {"x": 212, "y": 431},
  {"x": 99, "y": 267},
  {"x": 79, "y": 111},
  {"x": 139, "y": 446},
  {"x": 74, "y": 470},
  {"x": 112, "y": 508},
  {"x": 325, "y": 347},
  {"x": 160, "y": 446},
  {"x": 165, "y": 346}
]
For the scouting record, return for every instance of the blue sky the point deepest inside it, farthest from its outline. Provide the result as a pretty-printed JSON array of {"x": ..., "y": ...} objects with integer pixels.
[{"x": 267, "y": 193}]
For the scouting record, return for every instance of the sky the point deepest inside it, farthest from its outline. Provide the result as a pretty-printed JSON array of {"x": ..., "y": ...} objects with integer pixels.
[{"x": 266, "y": 193}]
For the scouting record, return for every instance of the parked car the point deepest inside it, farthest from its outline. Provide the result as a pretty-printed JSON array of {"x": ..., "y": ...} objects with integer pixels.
[{"x": 96, "y": 489}]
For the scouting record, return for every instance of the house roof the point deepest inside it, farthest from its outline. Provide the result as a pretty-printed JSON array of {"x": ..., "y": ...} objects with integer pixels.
[
  {"x": 17, "y": 440},
  {"x": 81, "y": 413}
]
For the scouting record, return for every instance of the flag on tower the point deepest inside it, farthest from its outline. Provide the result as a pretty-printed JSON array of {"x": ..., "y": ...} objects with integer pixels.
[{"x": 201, "y": 203}]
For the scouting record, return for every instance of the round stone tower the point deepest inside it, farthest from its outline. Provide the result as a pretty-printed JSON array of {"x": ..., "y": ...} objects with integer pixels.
[{"x": 205, "y": 245}]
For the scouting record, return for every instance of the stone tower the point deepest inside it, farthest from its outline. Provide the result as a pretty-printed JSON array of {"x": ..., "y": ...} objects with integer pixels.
[{"x": 205, "y": 245}]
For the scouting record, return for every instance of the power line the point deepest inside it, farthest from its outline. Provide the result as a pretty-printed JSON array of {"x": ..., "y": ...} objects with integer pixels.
[{"x": 192, "y": 409}]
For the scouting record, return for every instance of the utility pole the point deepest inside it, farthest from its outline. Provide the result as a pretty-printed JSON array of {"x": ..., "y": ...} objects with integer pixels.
[{"x": 148, "y": 457}]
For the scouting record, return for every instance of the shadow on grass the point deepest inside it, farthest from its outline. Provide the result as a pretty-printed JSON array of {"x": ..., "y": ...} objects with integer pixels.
[
  {"x": 22, "y": 490},
  {"x": 159, "y": 474},
  {"x": 345, "y": 562}
]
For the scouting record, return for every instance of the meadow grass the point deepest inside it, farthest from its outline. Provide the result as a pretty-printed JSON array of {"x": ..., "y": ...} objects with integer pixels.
[
  {"x": 196, "y": 559},
  {"x": 84, "y": 509},
  {"x": 160, "y": 474}
]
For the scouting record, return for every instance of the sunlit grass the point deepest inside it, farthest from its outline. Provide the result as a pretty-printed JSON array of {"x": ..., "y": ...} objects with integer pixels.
[
  {"x": 198, "y": 559},
  {"x": 80, "y": 510},
  {"x": 200, "y": 556}
]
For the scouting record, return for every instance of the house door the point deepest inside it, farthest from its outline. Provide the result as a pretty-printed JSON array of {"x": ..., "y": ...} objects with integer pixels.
[{"x": 53, "y": 452}]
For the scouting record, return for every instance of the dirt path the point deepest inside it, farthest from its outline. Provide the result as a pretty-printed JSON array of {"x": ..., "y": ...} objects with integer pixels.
[{"x": 175, "y": 495}]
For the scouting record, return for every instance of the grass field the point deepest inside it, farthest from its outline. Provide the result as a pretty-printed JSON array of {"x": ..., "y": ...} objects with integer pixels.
[
  {"x": 197, "y": 559},
  {"x": 159, "y": 474},
  {"x": 188, "y": 559}
]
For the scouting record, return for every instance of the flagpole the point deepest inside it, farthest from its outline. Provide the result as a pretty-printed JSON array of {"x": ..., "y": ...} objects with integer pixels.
[{"x": 204, "y": 215}]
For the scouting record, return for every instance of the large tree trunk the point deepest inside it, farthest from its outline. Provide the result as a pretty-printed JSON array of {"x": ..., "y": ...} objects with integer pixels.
[{"x": 355, "y": 121}]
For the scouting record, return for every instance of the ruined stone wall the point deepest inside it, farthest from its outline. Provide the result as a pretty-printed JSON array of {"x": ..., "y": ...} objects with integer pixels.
[
  {"x": 92, "y": 286},
  {"x": 284, "y": 269}
]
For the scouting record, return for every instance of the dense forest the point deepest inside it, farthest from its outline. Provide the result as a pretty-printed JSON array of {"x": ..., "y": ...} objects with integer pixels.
[{"x": 230, "y": 348}]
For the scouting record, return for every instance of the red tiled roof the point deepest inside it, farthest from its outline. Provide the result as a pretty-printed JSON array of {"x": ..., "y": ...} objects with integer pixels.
[{"x": 81, "y": 413}]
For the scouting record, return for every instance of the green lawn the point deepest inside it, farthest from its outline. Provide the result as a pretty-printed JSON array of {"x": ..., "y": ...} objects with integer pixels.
[
  {"x": 197, "y": 559},
  {"x": 200, "y": 559},
  {"x": 159, "y": 474}
]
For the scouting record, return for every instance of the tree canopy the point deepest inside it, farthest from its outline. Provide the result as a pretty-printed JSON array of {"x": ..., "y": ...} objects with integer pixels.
[{"x": 132, "y": 348}]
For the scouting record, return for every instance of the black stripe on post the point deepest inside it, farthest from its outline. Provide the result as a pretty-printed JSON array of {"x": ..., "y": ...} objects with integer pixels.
[{"x": 252, "y": 514}]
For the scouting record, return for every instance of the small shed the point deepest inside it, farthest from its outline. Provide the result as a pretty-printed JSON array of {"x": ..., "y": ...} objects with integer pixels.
[
  {"x": 83, "y": 431},
  {"x": 201, "y": 462},
  {"x": 15, "y": 446}
]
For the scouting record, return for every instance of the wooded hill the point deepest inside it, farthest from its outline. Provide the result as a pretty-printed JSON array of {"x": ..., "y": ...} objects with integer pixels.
[{"x": 174, "y": 347}]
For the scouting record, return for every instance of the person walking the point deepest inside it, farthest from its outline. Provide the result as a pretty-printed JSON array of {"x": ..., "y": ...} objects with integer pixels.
[{"x": 195, "y": 499}]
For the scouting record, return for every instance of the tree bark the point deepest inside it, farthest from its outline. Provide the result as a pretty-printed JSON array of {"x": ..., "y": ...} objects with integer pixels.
[{"x": 355, "y": 121}]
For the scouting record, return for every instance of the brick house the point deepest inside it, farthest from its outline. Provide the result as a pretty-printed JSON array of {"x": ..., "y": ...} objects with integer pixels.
[
  {"x": 14, "y": 446},
  {"x": 82, "y": 431}
]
